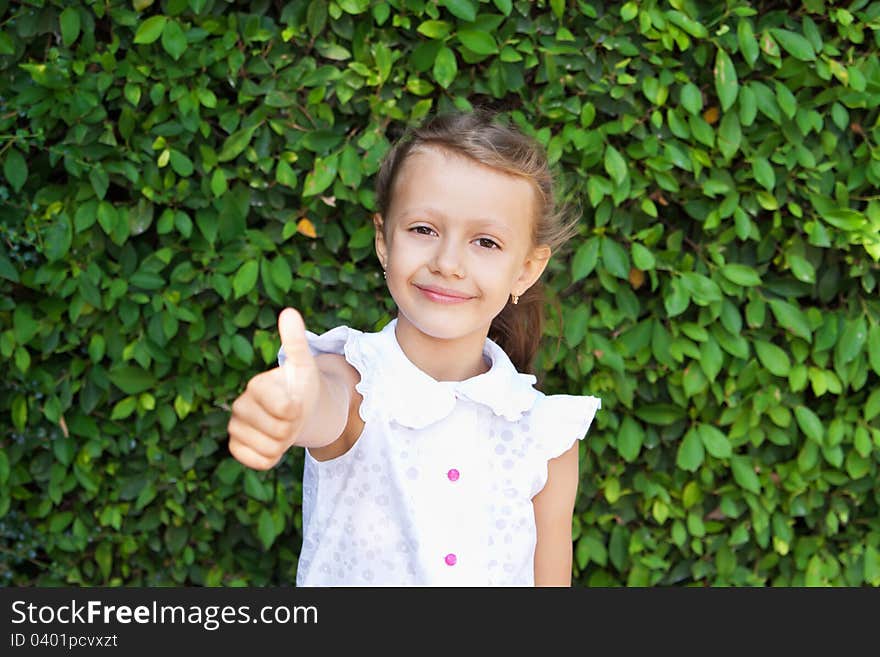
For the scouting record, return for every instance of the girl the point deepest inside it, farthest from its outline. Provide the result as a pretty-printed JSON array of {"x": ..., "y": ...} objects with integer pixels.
[{"x": 430, "y": 459}]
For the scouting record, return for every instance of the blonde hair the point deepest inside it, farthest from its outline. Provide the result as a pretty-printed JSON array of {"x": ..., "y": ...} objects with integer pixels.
[{"x": 484, "y": 138}]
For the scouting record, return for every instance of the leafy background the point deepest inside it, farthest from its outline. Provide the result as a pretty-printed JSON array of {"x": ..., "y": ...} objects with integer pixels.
[{"x": 176, "y": 172}]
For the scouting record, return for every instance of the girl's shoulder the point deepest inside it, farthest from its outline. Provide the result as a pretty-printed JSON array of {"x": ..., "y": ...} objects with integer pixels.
[{"x": 559, "y": 420}]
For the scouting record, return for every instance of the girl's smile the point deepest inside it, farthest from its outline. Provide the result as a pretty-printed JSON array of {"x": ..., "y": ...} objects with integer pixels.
[{"x": 443, "y": 295}]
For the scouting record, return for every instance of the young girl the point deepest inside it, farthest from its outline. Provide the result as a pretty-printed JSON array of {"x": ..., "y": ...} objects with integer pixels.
[{"x": 430, "y": 459}]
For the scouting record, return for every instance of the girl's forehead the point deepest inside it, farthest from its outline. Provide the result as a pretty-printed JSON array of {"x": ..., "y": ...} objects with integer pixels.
[{"x": 431, "y": 168}]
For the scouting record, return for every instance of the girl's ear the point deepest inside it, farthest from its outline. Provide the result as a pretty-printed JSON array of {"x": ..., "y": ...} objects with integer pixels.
[
  {"x": 381, "y": 247},
  {"x": 532, "y": 268}
]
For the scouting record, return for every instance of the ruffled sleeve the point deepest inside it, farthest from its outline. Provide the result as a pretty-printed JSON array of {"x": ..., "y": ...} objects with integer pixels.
[
  {"x": 558, "y": 421},
  {"x": 350, "y": 343}
]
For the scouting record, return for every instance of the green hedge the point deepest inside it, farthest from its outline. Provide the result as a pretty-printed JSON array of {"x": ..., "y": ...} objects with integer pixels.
[{"x": 176, "y": 172}]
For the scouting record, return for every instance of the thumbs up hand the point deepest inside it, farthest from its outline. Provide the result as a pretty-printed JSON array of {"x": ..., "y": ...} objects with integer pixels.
[{"x": 269, "y": 415}]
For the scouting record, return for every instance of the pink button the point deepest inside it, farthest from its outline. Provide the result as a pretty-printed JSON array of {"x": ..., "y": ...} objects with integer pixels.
[
  {"x": 451, "y": 559},
  {"x": 453, "y": 475}
]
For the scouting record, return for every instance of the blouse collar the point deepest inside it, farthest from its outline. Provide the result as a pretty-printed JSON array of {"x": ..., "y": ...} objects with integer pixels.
[{"x": 418, "y": 400}]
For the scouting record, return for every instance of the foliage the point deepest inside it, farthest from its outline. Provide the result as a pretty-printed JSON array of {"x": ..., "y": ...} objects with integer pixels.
[{"x": 176, "y": 172}]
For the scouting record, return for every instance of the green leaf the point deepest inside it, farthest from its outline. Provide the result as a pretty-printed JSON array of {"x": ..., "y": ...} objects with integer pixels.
[
  {"x": 575, "y": 327},
  {"x": 741, "y": 275},
  {"x": 702, "y": 289},
  {"x": 687, "y": 24},
  {"x": 173, "y": 39},
  {"x": 218, "y": 182},
  {"x": 104, "y": 559},
  {"x": 809, "y": 423},
  {"x": 629, "y": 11},
  {"x": 24, "y": 326},
  {"x": 744, "y": 474},
  {"x": 748, "y": 44},
  {"x": 691, "y": 98},
  {"x": 100, "y": 181},
  {"x": 482, "y": 43},
  {"x": 354, "y": 6},
  {"x": 242, "y": 348},
  {"x": 321, "y": 177},
  {"x": 726, "y": 82},
  {"x": 642, "y": 257},
  {"x": 715, "y": 442},
  {"x": 615, "y": 165},
  {"x": 131, "y": 380},
  {"x": 382, "y": 56},
  {"x": 677, "y": 301},
  {"x": 845, "y": 219},
  {"x": 236, "y": 143},
  {"x": 851, "y": 342},
  {"x": 802, "y": 268},
  {"x": 7, "y": 45},
  {"x": 7, "y": 269},
  {"x": 504, "y": 6},
  {"x": 181, "y": 164},
  {"x": 791, "y": 318},
  {"x": 150, "y": 30},
  {"x": 284, "y": 174},
  {"x": 763, "y": 173},
  {"x": 266, "y": 529},
  {"x": 466, "y": 10},
  {"x": 615, "y": 258},
  {"x": 70, "y": 25},
  {"x": 255, "y": 488},
  {"x": 434, "y": 29},
  {"x": 585, "y": 259},
  {"x": 58, "y": 238},
  {"x": 362, "y": 237},
  {"x": 874, "y": 348},
  {"x": 662, "y": 414},
  {"x": 281, "y": 274},
  {"x": 872, "y": 406},
  {"x": 690, "y": 453},
  {"x": 123, "y": 408},
  {"x": 796, "y": 45},
  {"x": 872, "y": 566},
  {"x": 711, "y": 359},
  {"x": 4, "y": 467},
  {"x": 630, "y": 437},
  {"x": 15, "y": 169},
  {"x": 245, "y": 278},
  {"x": 97, "y": 348},
  {"x": 729, "y": 135},
  {"x": 774, "y": 359},
  {"x": 175, "y": 538},
  {"x": 445, "y": 67}
]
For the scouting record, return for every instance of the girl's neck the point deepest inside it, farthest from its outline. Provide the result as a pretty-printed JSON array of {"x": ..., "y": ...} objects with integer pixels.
[{"x": 443, "y": 360}]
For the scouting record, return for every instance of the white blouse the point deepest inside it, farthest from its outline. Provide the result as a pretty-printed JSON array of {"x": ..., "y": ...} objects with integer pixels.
[{"x": 437, "y": 490}]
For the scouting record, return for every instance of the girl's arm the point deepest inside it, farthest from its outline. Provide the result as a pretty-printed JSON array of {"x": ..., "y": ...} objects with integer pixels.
[{"x": 554, "y": 507}]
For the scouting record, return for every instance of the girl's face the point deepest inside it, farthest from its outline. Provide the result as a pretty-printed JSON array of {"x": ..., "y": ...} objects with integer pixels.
[{"x": 457, "y": 226}]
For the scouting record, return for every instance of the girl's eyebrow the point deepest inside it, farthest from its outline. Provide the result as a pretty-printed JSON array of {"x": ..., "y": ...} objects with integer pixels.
[{"x": 477, "y": 222}]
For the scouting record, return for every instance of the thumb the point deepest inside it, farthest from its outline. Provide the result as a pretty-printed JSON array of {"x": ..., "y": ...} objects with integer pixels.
[{"x": 295, "y": 350}]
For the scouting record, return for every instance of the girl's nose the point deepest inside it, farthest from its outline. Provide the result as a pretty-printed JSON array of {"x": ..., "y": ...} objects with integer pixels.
[{"x": 447, "y": 259}]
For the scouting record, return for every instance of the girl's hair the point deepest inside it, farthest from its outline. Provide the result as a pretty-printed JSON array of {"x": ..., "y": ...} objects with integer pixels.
[{"x": 482, "y": 137}]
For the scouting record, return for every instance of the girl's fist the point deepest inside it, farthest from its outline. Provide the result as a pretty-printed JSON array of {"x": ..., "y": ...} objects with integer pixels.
[{"x": 269, "y": 415}]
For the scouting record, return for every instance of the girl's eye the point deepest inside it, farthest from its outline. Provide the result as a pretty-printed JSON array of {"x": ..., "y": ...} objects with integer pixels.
[{"x": 485, "y": 242}]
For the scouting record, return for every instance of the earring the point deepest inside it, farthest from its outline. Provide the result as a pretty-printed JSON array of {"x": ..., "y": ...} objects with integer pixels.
[
  {"x": 515, "y": 299},
  {"x": 385, "y": 274}
]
